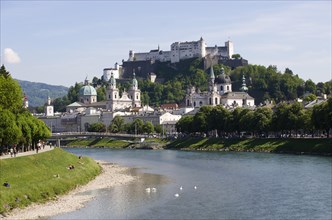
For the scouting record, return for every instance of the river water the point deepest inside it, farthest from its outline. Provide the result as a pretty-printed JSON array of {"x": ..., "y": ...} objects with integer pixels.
[{"x": 229, "y": 185}]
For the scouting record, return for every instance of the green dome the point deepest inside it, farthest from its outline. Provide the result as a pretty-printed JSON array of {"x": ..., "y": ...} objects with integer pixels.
[{"x": 87, "y": 90}]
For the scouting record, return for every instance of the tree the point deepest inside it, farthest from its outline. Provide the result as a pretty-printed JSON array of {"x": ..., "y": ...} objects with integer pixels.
[
  {"x": 73, "y": 92},
  {"x": 158, "y": 129},
  {"x": 137, "y": 126},
  {"x": 11, "y": 94},
  {"x": 101, "y": 94},
  {"x": 148, "y": 127},
  {"x": 185, "y": 124},
  {"x": 310, "y": 86},
  {"x": 236, "y": 56},
  {"x": 117, "y": 124},
  {"x": 97, "y": 127},
  {"x": 9, "y": 131},
  {"x": 263, "y": 119}
]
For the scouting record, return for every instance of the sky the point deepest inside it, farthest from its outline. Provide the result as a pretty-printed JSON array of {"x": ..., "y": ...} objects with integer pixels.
[{"x": 63, "y": 42}]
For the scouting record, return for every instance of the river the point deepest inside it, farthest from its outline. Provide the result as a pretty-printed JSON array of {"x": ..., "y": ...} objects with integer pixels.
[{"x": 229, "y": 185}]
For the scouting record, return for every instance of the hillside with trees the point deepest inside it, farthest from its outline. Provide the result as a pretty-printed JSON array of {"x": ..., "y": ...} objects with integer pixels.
[
  {"x": 174, "y": 80},
  {"x": 17, "y": 125},
  {"x": 38, "y": 93}
]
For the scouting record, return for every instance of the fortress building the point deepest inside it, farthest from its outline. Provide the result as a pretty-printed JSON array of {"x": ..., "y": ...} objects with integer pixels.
[
  {"x": 184, "y": 50},
  {"x": 220, "y": 93}
]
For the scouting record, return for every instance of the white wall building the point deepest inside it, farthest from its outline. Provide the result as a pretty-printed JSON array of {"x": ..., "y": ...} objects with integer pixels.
[
  {"x": 220, "y": 93},
  {"x": 116, "y": 71}
]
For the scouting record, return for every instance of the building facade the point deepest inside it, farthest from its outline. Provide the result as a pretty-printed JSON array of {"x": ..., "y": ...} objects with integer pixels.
[
  {"x": 220, "y": 93},
  {"x": 184, "y": 50}
]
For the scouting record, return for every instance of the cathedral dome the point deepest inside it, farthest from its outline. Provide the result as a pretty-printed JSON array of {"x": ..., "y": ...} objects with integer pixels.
[
  {"x": 223, "y": 79},
  {"x": 87, "y": 90}
]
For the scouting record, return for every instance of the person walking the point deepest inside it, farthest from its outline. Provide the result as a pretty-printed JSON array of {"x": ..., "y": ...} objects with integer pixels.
[
  {"x": 11, "y": 152},
  {"x": 15, "y": 151}
]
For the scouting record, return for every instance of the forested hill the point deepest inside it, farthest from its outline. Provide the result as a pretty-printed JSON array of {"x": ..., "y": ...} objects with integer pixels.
[{"x": 38, "y": 92}]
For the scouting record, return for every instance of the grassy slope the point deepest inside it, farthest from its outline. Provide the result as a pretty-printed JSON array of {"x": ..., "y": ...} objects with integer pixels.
[
  {"x": 32, "y": 177},
  {"x": 102, "y": 142},
  {"x": 109, "y": 142},
  {"x": 319, "y": 146}
]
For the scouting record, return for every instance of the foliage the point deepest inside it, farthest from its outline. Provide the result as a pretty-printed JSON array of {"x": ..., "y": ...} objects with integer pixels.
[
  {"x": 17, "y": 125},
  {"x": 117, "y": 124},
  {"x": 97, "y": 127},
  {"x": 286, "y": 119}
]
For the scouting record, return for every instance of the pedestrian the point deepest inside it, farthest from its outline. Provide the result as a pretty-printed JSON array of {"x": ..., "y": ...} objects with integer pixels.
[
  {"x": 14, "y": 151},
  {"x": 37, "y": 147},
  {"x": 11, "y": 152}
]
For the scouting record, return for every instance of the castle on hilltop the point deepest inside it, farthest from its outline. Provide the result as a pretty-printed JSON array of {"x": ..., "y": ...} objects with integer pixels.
[
  {"x": 145, "y": 63},
  {"x": 184, "y": 50}
]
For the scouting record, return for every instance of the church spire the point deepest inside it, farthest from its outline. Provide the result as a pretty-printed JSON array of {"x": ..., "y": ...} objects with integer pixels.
[
  {"x": 135, "y": 84},
  {"x": 112, "y": 81},
  {"x": 212, "y": 73},
  {"x": 244, "y": 87}
]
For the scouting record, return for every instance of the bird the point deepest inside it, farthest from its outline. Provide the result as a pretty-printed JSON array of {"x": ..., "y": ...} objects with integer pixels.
[
  {"x": 148, "y": 190},
  {"x": 176, "y": 195},
  {"x": 181, "y": 188},
  {"x": 154, "y": 190},
  {"x": 195, "y": 187}
]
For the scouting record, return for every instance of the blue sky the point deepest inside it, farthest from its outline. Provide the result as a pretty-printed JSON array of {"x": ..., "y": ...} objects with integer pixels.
[{"x": 62, "y": 42}]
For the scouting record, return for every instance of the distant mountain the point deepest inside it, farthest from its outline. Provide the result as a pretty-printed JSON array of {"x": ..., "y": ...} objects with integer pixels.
[{"x": 38, "y": 92}]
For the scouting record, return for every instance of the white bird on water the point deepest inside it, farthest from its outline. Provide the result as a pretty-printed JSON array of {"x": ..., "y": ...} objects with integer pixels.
[
  {"x": 154, "y": 190},
  {"x": 181, "y": 188},
  {"x": 177, "y": 195},
  {"x": 195, "y": 187},
  {"x": 148, "y": 189}
]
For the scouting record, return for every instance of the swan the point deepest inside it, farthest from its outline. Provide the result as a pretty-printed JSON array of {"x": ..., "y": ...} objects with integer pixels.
[
  {"x": 195, "y": 187},
  {"x": 176, "y": 195},
  {"x": 154, "y": 190},
  {"x": 181, "y": 188},
  {"x": 148, "y": 190}
]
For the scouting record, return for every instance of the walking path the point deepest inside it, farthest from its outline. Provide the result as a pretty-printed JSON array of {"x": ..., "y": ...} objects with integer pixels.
[{"x": 21, "y": 154}]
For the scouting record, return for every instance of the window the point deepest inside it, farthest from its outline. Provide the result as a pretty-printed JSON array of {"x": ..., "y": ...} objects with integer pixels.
[
  {"x": 227, "y": 88},
  {"x": 210, "y": 101},
  {"x": 188, "y": 102},
  {"x": 194, "y": 104},
  {"x": 221, "y": 88},
  {"x": 216, "y": 101}
]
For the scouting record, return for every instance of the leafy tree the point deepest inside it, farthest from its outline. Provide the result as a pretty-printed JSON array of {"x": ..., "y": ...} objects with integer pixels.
[
  {"x": 11, "y": 95},
  {"x": 158, "y": 129},
  {"x": 148, "y": 127},
  {"x": 263, "y": 119},
  {"x": 101, "y": 94},
  {"x": 310, "y": 86},
  {"x": 97, "y": 127},
  {"x": 9, "y": 131},
  {"x": 185, "y": 124},
  {"x": 236, "y": 56},
  {"x": 73, "y": 92},
  {"x": 137, "y": 126},
  {"x": 310, "y": 97},
  {"x": 117, "y": 124}
]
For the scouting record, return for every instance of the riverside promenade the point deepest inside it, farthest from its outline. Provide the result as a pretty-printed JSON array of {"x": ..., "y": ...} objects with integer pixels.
[{"x": 31, "y": 152}]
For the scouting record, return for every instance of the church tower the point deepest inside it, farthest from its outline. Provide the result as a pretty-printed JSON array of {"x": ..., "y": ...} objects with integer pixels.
[
  {"x": 244, "y": 87},
  {"x": 49, "y": 110},
  {"x": 211, "y": 80},
  {"x": 135, "y": 93},
  {"x": 112, "y": 94}
]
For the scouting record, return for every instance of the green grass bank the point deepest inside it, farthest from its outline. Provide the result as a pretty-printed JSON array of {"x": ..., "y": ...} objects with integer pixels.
[
  {"x": 111, "y": 143},
  {"x": 97, "y": 142},
  {"x": 41, "y": 177},
  {"x": 301, "y": 146}
]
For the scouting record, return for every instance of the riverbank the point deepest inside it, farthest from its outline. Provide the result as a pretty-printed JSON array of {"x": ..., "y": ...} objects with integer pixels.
[
  {"x": 42, "y": 182},
  {"x": 294, "y": 146}
]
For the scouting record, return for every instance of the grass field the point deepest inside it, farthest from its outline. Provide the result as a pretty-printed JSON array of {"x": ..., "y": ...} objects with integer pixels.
[
  {"x": 99, "y": 142},
  {"x": 311, "y": 146},
  {"x": 41, "y": 177}
]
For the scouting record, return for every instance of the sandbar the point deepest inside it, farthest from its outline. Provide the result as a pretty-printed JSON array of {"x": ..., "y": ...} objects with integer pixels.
[{"x": 112, "y": 175}]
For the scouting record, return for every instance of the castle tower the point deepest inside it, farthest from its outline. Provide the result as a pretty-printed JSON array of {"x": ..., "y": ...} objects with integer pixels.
[
  {"x": 135, "y": 93},
  {"x": 230, "y": 48},
  {"x": 49, "y": 110},
  {"x": 131, "y": 55},
  {"x": 112, "y": 94},
  {"x": 202, "y": 46}
]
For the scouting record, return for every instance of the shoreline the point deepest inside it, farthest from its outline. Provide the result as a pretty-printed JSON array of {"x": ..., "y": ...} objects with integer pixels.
[{"x": 112, "y": 175}]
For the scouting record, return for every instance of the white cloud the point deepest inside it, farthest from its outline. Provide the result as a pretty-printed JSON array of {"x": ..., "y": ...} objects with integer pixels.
[{"x": 11, "y": 56}]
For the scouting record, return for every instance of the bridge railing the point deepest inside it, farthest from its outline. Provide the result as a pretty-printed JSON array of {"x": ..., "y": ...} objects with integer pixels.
[{"x": 106, "y": 134}]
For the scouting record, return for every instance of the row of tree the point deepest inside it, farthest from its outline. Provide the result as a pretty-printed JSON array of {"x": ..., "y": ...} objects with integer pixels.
[
  {"x": 17, "y": 125},
  {"x": 118, "y": 125},
  {"x": 285, "y": 119}
]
